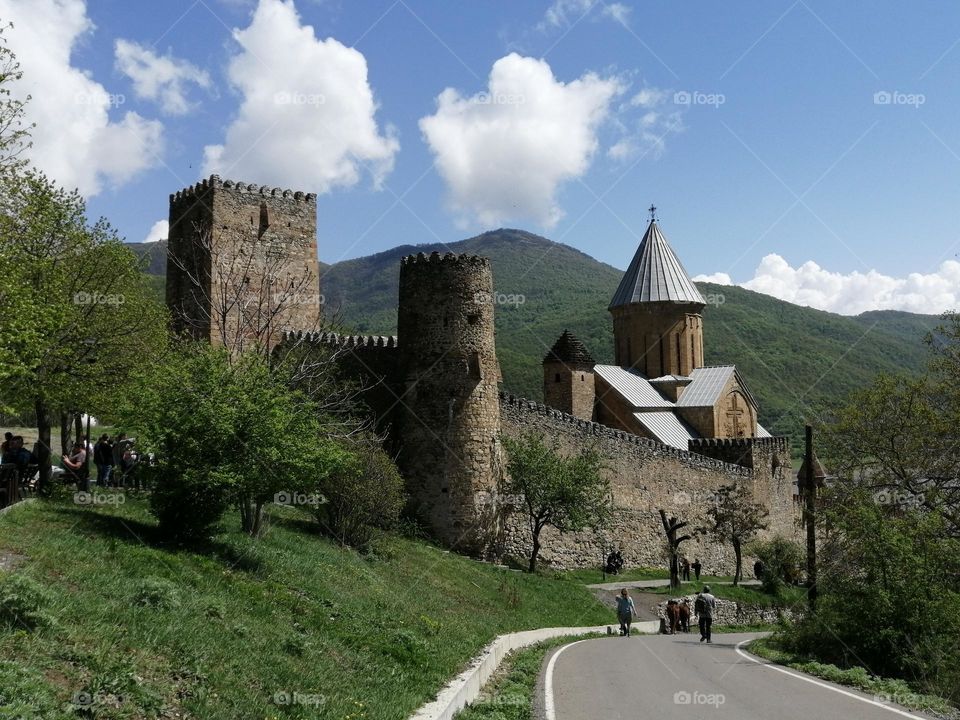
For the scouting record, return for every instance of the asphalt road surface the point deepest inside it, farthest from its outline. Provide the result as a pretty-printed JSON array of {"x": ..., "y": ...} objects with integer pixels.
[{"x": 664, "y": 676}]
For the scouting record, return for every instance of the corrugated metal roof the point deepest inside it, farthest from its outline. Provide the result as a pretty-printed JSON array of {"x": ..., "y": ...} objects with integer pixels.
[
  {"x": 633, "y": 386},
  {"x": 655, "y": 275},
  {"x": 706, "y": 386},
  {"x": 762, "y": 432},
  {"x": 666, "y": 427}
]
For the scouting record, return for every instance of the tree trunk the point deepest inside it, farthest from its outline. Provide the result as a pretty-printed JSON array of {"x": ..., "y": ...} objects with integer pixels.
[
  {"x": 78, "y": 428},
  {"x": 64, "y": 432},
  {"x": 534, "y": 552},
  {"x": 674, "y": 570},
  {"x": 738, "y": 572},
  {"x": 43, "y": 447}
]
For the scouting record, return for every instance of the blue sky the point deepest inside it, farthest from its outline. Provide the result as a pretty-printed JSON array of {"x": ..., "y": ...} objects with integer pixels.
[{"x": 756, "y": 129}]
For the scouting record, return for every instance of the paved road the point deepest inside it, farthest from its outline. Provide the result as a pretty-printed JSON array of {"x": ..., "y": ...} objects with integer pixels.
[{"x": 663, "y": 677}]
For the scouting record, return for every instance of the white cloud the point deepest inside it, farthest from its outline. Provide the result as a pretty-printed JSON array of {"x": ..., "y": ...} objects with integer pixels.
[
  {"x": 719, "y": 278},
  {"x": 618, "y": 12},
  {"x": 158, "y": 231},
  {"x": 504, "y": 152},
  {"x": 159, "y": 78},
  {"x": 306, "y": 118},
  {"x": 646, "y": 135},
  {"x": 855, "y": 292},
  {"x": 563, "y": 13},
  {"x": 75, "y": 141}
]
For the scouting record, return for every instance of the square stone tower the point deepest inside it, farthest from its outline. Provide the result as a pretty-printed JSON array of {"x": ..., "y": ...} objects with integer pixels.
[{"x": 242, "y": 263}]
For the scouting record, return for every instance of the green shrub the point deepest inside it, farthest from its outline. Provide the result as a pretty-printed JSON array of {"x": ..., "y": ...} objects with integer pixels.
[
  {"x": 782, "y": 562},
  {"x": 363, "y": 495}
]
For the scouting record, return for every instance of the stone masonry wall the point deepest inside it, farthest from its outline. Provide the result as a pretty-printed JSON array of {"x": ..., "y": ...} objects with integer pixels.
[
  {"x": 449, "y": 420},
  {"x": 258, "y": 250},
  {"x": 645, "y": 476}
]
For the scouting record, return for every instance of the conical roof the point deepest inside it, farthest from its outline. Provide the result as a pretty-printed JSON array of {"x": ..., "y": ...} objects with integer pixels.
[
  {"x": 569, "y": 351},
  {"x": 655, "y": 275}
]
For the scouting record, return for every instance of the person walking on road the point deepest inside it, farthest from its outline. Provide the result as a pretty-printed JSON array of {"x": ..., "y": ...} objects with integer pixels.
[
  {"x": 625, "y": 612},
  {"x": 697, "y": 567},
  {"x": 704, "y": 606},
  {"x": 685, "y": 570}
]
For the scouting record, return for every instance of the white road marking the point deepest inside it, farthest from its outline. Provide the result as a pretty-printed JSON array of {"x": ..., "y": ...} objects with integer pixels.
[
  {"x": 549, "y": 708},
  {"x": 821, "y": 684}
]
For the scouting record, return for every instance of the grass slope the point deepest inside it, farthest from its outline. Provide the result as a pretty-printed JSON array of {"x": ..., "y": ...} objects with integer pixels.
[
  {"x": 148, "y": 630},
  {"x": 794, "y": 359}
]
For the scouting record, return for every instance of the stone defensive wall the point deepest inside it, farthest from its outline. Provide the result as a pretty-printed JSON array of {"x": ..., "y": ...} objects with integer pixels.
[
  {"x": 645, "y": 476},
  {"x": 215, "y": 182}
]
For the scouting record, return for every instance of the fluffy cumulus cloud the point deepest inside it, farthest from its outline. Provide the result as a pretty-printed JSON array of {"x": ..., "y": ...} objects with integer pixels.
[
  {"x": 504, "y": 152},
  {"x": 307, "y": 112},
  {"x": 163, "y": 79},
  {"x": 159, "y": 231},
  {"x": 83, "y": 138},
  {"x": 855, "y": 292}
]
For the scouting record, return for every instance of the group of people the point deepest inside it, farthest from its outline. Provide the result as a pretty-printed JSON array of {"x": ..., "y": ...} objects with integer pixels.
[
  {"x": 113, "y": 457},
  {"x": 704, "y": 606},
  {"x": 685, "y": 568}
]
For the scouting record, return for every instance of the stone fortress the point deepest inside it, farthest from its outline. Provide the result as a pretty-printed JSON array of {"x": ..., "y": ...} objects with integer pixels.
[{"x": 671, "y": 430}]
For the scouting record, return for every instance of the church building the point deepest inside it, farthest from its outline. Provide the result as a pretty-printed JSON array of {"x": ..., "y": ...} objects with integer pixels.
[{"x": 659, "y": 387}]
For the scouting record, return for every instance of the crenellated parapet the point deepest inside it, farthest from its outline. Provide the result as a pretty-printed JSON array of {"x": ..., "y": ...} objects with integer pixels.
[
  {"x": 522, "y": 406},
  {"x": 340, "y": 341},
  {"x": 446, "y": 259},
  {"x": 214, "y": 182},
  {"x": 774, "y": 443}
]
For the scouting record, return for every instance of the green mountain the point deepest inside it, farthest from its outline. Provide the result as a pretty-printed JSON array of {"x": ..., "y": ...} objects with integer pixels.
[{"x": 794, "y": 359}]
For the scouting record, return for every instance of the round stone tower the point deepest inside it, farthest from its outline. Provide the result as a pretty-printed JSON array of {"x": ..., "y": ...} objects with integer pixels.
[{"x": 450, "y": 409}]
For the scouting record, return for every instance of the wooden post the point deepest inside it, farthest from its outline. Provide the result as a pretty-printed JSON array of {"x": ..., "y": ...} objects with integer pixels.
[{"x": 810, "y": 486}]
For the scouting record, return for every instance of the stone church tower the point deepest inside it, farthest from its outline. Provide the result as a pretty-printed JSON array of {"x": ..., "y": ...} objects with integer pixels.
[{"x": 657, "y": 312}]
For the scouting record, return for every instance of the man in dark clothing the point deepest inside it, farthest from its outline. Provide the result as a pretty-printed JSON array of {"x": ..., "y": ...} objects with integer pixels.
[
  {"x": 704, "y": 606},
  {"x": 697, "y": 567},
  {"x": 103, "y": 458},
  {"x": 685, "y": 569}
]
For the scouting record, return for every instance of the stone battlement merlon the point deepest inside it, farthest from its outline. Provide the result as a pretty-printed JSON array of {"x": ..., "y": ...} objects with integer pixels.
[
  {"x": 241, "y": 188},
  {"x": 594, "y": 428},
  {"x": 445, "y": 259},
  {"x": 338, "y": 340},
  {"x": 779, "y": 443}
]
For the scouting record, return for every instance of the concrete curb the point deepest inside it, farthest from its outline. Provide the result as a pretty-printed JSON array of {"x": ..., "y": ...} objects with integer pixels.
[
  {"x": 466, "y": 687},
  {"x": 8, "y": 508}
]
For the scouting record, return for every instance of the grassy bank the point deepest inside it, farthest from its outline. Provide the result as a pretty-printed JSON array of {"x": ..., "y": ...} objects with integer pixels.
[
  {"x": 883, "y": 689},
  {"x": 291, "y": 626}
]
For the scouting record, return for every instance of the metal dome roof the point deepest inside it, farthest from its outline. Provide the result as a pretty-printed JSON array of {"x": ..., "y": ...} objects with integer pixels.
[{"x": 655, "y": 275}]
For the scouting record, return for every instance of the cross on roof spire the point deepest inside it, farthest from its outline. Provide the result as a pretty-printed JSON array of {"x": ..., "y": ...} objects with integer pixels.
[{"x": 653, "y": 212}]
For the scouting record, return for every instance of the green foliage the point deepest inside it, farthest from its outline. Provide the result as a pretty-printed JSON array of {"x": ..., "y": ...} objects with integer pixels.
[
  {"x": 887, "y": 593},
  {"x": 782, "y": 559},
  {"x": 567, "y": 493},
  {"x": 76, "y": 305},
  {"x": 227, "y": 432},
  {"x": 363, "y": 494},
  {"x": 14, "y": 129},
  {"x": 735, "y": 518}
]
